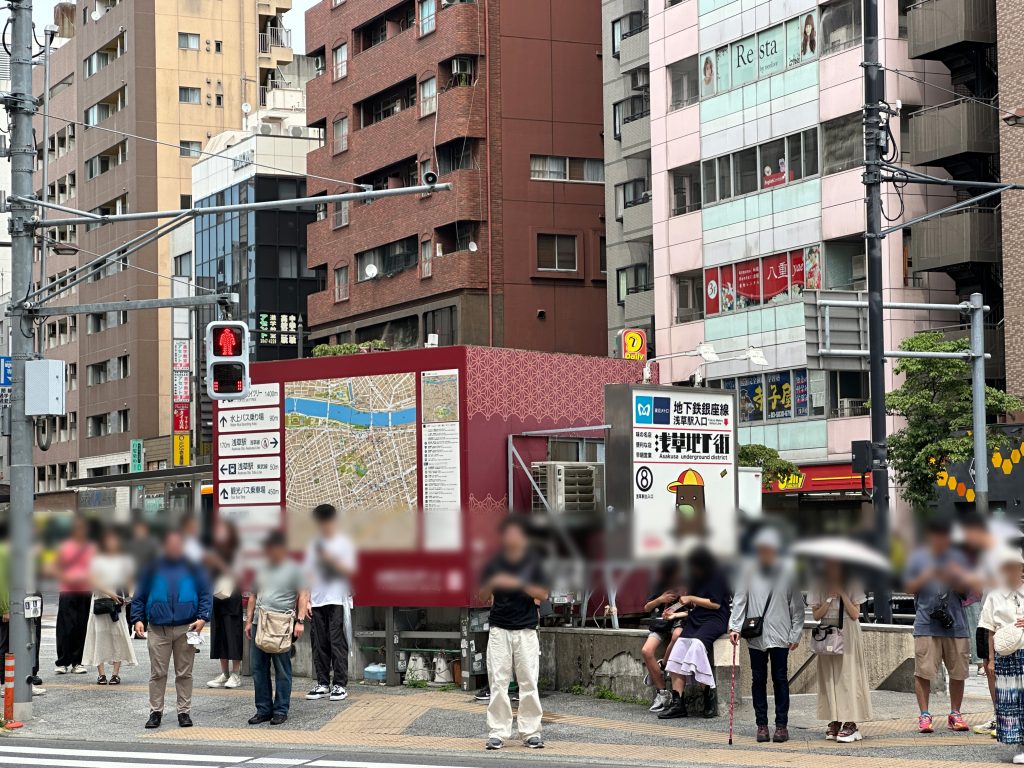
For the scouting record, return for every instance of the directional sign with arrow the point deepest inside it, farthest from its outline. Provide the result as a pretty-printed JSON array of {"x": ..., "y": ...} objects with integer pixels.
[
  {"x": 260, "y": 468},
  {"x": 248, "y": 444},
  {"x": 252, "y": 492},
  {"x": 249, "y": 420}
]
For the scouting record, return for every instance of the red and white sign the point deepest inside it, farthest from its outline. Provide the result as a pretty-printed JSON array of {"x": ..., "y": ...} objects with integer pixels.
[
  {"x": 711, "y": 291},
  {"x": 182, "y": 417}
]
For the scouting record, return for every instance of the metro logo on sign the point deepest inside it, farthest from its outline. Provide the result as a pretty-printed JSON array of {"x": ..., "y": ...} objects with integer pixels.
[
  {"x": 644, "y": 411},
  {"x": 662, "y": 410}
]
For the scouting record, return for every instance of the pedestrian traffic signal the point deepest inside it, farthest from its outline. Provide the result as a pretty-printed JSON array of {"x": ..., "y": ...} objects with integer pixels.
[{"x": 227, "y": 360}]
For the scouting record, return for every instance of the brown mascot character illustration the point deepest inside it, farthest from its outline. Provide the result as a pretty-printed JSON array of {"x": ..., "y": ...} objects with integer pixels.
[{"x": 689, "y": 504}]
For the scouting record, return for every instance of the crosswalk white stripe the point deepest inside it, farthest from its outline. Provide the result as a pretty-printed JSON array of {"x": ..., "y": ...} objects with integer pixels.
[
  {"x": 365, "y": 764},
  {"x": 55, "y": 762},
  {"x": 224, "y": 759},
  {"x": 278, "y": 761}
]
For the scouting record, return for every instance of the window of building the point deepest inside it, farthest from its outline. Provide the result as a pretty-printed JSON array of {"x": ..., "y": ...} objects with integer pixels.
[
  {"x": 184, "y": 201},
  {"x": 106, "y": 160},
  {"x": 744, "y": 170},
  {"x": 123, "y": 420},
  {"x": 635, "y": 278},
  {"x": 628, "y": 110},
  {"x": 442, "y": 322},
  {"x": 428, "y": 96},
  {"x": 631, "y": 193},
  {"x": 190, "y": 148},
  {"x": 341, "y": 283},
  {"x": 426, "y": 258},
  {"x": 183, "y": 265},
  {"x": 189, "y": 95},
  {"x": 218, "y": 46},
  {"x": 847, "y": 393},
  {"x": 454, "y": 156},
  {"x": 102, "y": 57},
  {"x": 842, "y": 142},
  {"x": 428, "y": 16},
  {"x": 188, "y": 41},
  {"x": 683, "y": 88},
  {"x": 602, "y": 255},
  {"x": 97, "y": 373},
  {"x": 123, "y": 367},
  {"x": 768, "y": 165},
  {"x": 218, "y": 100},
  {"x": 689, "y": 294},
  {"x": 388, "y": 259},
  {"x": 627, "y": 26},
  {"x": 685, "y": 182},
  {"x": 556, "y": 253},
  {"x": 840, "y": 25},
  {"x": 339, "y": 134},
  {"x": 554, "y": 168},
  {"x": 106, "y": 107},
  {"x": 340, "y": 218},
  {"x": 845, "y": 266},
  {"x": 340, "y": 59},
  {"x": 72, "y": 377},
  {"x": 773, "y": 279}
]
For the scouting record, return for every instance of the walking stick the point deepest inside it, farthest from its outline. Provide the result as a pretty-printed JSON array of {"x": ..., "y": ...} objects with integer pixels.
[{"x": 732, "y": 693}]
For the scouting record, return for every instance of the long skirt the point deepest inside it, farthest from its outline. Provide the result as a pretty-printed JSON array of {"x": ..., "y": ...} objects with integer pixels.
[
  {"x": 843, "y": 694},
  {"x": 107, "y": 641},
  {"x": 1010, "y": 698}
]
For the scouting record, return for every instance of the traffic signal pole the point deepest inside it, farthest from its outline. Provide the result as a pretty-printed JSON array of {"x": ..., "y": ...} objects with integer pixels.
[{"x": 21, "y": 107}]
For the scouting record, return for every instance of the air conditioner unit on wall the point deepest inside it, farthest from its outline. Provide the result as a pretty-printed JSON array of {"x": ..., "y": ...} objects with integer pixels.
[{"x": 571, "y": 489}]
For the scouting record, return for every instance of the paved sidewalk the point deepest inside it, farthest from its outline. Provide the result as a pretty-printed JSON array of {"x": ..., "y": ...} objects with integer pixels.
[{"x": 436, "y": 722}]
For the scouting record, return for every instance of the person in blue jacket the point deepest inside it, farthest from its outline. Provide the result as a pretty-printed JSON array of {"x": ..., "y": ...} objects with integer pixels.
[{"x": 174, "y": 596}]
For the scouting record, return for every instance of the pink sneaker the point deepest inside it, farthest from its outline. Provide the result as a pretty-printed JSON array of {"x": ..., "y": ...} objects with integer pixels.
[
  {"x": 957, "y": 722},
  {"x": 924, "y": 723}
]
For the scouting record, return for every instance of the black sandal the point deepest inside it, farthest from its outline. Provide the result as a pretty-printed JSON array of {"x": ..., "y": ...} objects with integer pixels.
[
  {"x": 114, "y": 680},
  {"x": 101, "y": 680}
]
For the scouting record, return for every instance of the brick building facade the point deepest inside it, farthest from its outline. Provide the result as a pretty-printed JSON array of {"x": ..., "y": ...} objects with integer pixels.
[{"x": 502, "y": 100}]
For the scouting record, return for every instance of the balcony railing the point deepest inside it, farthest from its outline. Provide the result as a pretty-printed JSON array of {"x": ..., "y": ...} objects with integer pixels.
[
  {"x": 969, "y": 236},
  {"x": 275, "y": 37},
  {"x": 959, "y": 127},
  {"x": 937, "y": 25}
]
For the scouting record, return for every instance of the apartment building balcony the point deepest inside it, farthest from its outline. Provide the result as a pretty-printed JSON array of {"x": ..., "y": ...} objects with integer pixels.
[
  {"x": 639, "y": 303},
  {"x": 960, "y": 136},
  {"x": 954, "y": 243},
  {"x": 275, "y": 47},
  {"x": 273, "y": 7},
  {"x": 634, "y": 48},
  {"x": 281, "y": 94},
  {"x": 939, "y": 28},
  {"x": 637, "y": 216},
  {"x": 636, "y": 132}
]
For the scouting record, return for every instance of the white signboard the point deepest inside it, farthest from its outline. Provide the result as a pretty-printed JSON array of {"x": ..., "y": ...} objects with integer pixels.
[
  {"x": 253, "y": 492},
  {"x": 684, "y": 469},
  {"x": 442, "y": 465},
  {"x": 257, "y": 468},
  {"x": 180, "y": 386},
  {"x": 181, "y": 357},
  {"x": 251, "y": 444},
  {"x": 259, "y": 395},
  {"x": 260, "y": 518},
  {"x": 250, "y": 420}
]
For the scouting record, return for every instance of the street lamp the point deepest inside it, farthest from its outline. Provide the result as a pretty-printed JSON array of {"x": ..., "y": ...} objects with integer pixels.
[{"x": 707, "y": 353}]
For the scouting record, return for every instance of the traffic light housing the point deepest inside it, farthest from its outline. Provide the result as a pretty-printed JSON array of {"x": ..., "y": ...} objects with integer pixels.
[{"x": 227, "y": 360}]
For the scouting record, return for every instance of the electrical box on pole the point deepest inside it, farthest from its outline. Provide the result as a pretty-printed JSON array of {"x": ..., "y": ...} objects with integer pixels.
[{"x": 227, "y": 360}]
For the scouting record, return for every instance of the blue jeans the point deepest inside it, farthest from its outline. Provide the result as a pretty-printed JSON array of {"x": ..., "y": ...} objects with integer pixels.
[
  {"x": 759, "y": 662},
  {"x": 268, "y": 701}
]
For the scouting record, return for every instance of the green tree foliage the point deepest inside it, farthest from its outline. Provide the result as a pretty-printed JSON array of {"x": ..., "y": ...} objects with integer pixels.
[
  {"x": 935, "y": 401},
  {"x": 334, "y": 350},
  {"x": 773, "y": 467}
]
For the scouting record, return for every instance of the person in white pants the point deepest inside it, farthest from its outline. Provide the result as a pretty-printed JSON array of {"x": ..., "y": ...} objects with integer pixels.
[{"x": 515, "y": 585}]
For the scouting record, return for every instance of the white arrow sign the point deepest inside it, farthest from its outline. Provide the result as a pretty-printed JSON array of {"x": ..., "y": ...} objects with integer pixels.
[
  {"x": 249, "y": 444},
  {"x": 251, "y": 420},
  {"x": 259, "y": 468},
  {"x": 259, "y": 395},
  {"x": 255, "y": 492}
]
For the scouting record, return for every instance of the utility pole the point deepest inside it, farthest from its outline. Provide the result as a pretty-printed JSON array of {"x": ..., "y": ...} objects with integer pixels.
[
  {"x": 978, "y": 403},
  {"x": 874, "y": 138},
  {"x": 21, "y": 108}
]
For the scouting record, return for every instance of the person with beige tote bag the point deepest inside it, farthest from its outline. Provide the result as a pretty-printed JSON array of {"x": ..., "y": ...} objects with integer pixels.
[{"x": 274, "y": 619}]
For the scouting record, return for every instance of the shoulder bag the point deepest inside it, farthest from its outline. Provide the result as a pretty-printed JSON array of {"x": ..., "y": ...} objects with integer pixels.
[
  {"x": 827, "y": 640},
  {"x": 753, "y": 626},
  {"x": 274, "y": 630}
]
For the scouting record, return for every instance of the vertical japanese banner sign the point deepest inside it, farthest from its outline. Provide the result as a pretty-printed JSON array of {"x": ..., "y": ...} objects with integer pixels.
[
  {"x": 712, "y": 290},
  {"x": 751, "y": 398},
  {"x": 727, "y": 288},
  {"x": 800, "y": 393},
  {"x": 778, "y": 395},
  {"x": 796, "y": 273},
  {"x": 748, "y": 284},
  {"x": 684, "y": 467}
]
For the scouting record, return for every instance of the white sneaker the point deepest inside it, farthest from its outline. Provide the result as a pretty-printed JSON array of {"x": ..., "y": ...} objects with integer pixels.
[
  {"x": 661, "y": 700},
  {"x": 78, "y": 669},
  {"x": 59, "y": 670},
  {"x": 317, "y": 692},
  {"x": 1018, "y": 759},
  {"x": 233, "y": 681},
  {"x": 38, "y": 690},
  {"x": 218, "y": 682},
  {"x": 338, "y": 693}
]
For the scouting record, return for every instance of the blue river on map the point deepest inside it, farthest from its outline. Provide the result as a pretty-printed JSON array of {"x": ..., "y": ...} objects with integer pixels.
[{"x": 321, "y": 409}]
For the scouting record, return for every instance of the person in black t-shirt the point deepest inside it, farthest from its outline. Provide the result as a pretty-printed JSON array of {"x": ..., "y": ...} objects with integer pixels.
[{"x": 515, "y": 585}]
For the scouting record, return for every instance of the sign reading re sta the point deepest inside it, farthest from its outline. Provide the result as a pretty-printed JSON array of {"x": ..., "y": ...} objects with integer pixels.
[{"x": 633, "y": 344}]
